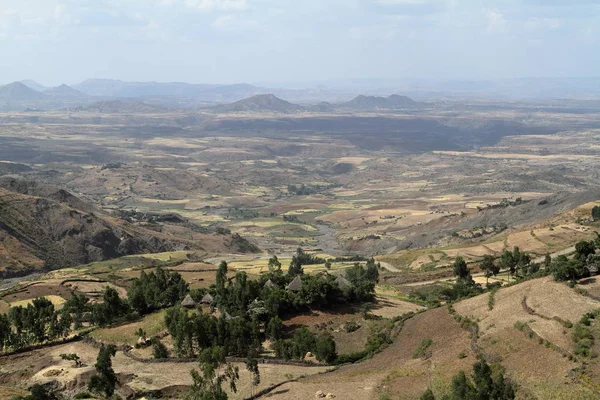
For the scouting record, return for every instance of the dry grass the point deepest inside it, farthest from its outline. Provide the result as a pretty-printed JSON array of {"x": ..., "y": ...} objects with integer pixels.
[
  {"x": 125, "y": 334},
  {"x": 546, "y": 297},
  {"x": 56, "y": 300}
]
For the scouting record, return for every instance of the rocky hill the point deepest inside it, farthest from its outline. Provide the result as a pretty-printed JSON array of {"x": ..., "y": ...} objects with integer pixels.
[
  {"x": 369, "y": 103},
  {"x": 48, "y": 232},
  {"x": 65, "y": 91},
  {"x": 17, "y": 91},
  {"x": 261, "y": 102}
]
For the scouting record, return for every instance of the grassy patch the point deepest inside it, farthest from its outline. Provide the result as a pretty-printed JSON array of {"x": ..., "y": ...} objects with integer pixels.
[
  {"x": 125, "y": 334},
  {"x": 420, "y": 351},
  {"x": 491, "y": 300}
]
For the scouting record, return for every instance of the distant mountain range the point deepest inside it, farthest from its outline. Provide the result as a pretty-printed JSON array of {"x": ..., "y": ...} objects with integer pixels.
[
  {"x": 318, "y": 98},
  {"x": 112, "y": 96},
  {"x": 271, "y": 103}
]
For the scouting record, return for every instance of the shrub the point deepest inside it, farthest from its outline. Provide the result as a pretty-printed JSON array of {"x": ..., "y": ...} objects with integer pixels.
[
  {"x": 352, "y": 357},
  {"x": 351, "y": 326},
  {"x": 325, "y": 349},
  {"x": 420, "y": 351},
  {"x": 159, "y": 350},
  {"x": 377, "y": 341},
  {"x": 521, "y": 326}
]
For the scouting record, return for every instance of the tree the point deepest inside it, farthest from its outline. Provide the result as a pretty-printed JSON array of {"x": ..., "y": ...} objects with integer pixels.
[
  {"x": 76, "y": 305},
  {"x": 325, "y": 349},
  {"x": 508, "y": 262},
  {"x": 462, "y": 389},
  {"x": 111, "y": 309},
  {"x": 488, "y": 266},
  {"x": 484, "y": 386},
  {"x": 105, "y": 379},
  {"x": 482, "y": 377},
  {"x": 5, "y": 331},
  {"x": 220, "y": 280},
  {"x": 274, "y": 264},
  {"x": 427, "y": 395},
  {"x": 372, "y": 270},
  {"x": 159, "y": 350},
  {"x": 274, "y": 328},
  {"x": 460, "y": 269},
  {"x": 158, "y": 289},
  {"x": 596, "y": 213},
  {"x": 252, "y": 366},
  {"x": 208, "y": 385},
  {"x": 304, "y": 342},
  {"x": 295, "y": 267},
  {"x": 547, "y": 261},
  {"x": 39, "y": 392},
  {"x": 583, "y": 249},
  {"x": 72, "y": 357}
]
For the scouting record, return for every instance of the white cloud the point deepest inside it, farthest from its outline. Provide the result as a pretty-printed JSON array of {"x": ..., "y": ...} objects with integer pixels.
[
  {"x": 496, "y": 23},
  {"x": 234, "y": 23},
  {"x": 535, "y": 23},
  {"x": 221, "y": 5},
  {"x": 400, "y": 2}
]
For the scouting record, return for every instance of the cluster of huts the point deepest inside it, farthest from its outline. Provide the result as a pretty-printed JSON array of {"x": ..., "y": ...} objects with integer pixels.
[{"x": 294, "y": 286}]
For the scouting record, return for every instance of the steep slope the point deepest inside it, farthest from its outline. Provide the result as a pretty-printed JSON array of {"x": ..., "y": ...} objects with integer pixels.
[
  {"x": 51, "y": 192},
  {"x": 48, "y": 232},
  {"x": 34, "y": 85},
  {"x": 17, "y": 91},
  {"x": 539, "y": 368},
  {"x": 261, "y": 102}
]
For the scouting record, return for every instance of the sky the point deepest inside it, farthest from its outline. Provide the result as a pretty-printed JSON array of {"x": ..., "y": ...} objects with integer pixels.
[{"x": 271, "y": 41}]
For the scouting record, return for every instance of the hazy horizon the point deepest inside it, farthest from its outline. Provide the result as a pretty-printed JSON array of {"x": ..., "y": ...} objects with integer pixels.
[{"x": 267, "y": 41}]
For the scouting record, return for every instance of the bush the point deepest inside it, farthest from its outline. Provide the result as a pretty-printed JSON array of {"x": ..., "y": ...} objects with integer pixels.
[
  {"x": 325, "y": 349},
  {"x": 351, "y": 326},
  {"x": 521, "y": 326},
  {"x": 377, "y": 341},
  {"x": 349, "y": 358},
  {"x": 159, "y": 350},
  {"x": 420, "y": 351}
]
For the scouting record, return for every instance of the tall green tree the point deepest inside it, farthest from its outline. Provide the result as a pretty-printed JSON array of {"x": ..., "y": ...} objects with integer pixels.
[
  {"x": 488, "y": 267},
  {"x": 325, "y": 349},
  {"x": 460, "y": 269},
  {"x": 274, "y": 265},
  {"x": 462, "y": 388},
  {"x": 208, "y": 385},
  {"x": 105, "y": 379}
]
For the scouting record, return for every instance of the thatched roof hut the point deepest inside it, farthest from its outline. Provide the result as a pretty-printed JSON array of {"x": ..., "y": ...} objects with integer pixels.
[
  {"x": 269, "y": 284},
  {"x": 342, "y": 282},
  {"x": 207, "y": 299},
  {"x": 296, "y": 284},
  {"x": 188, "y": 302}
]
